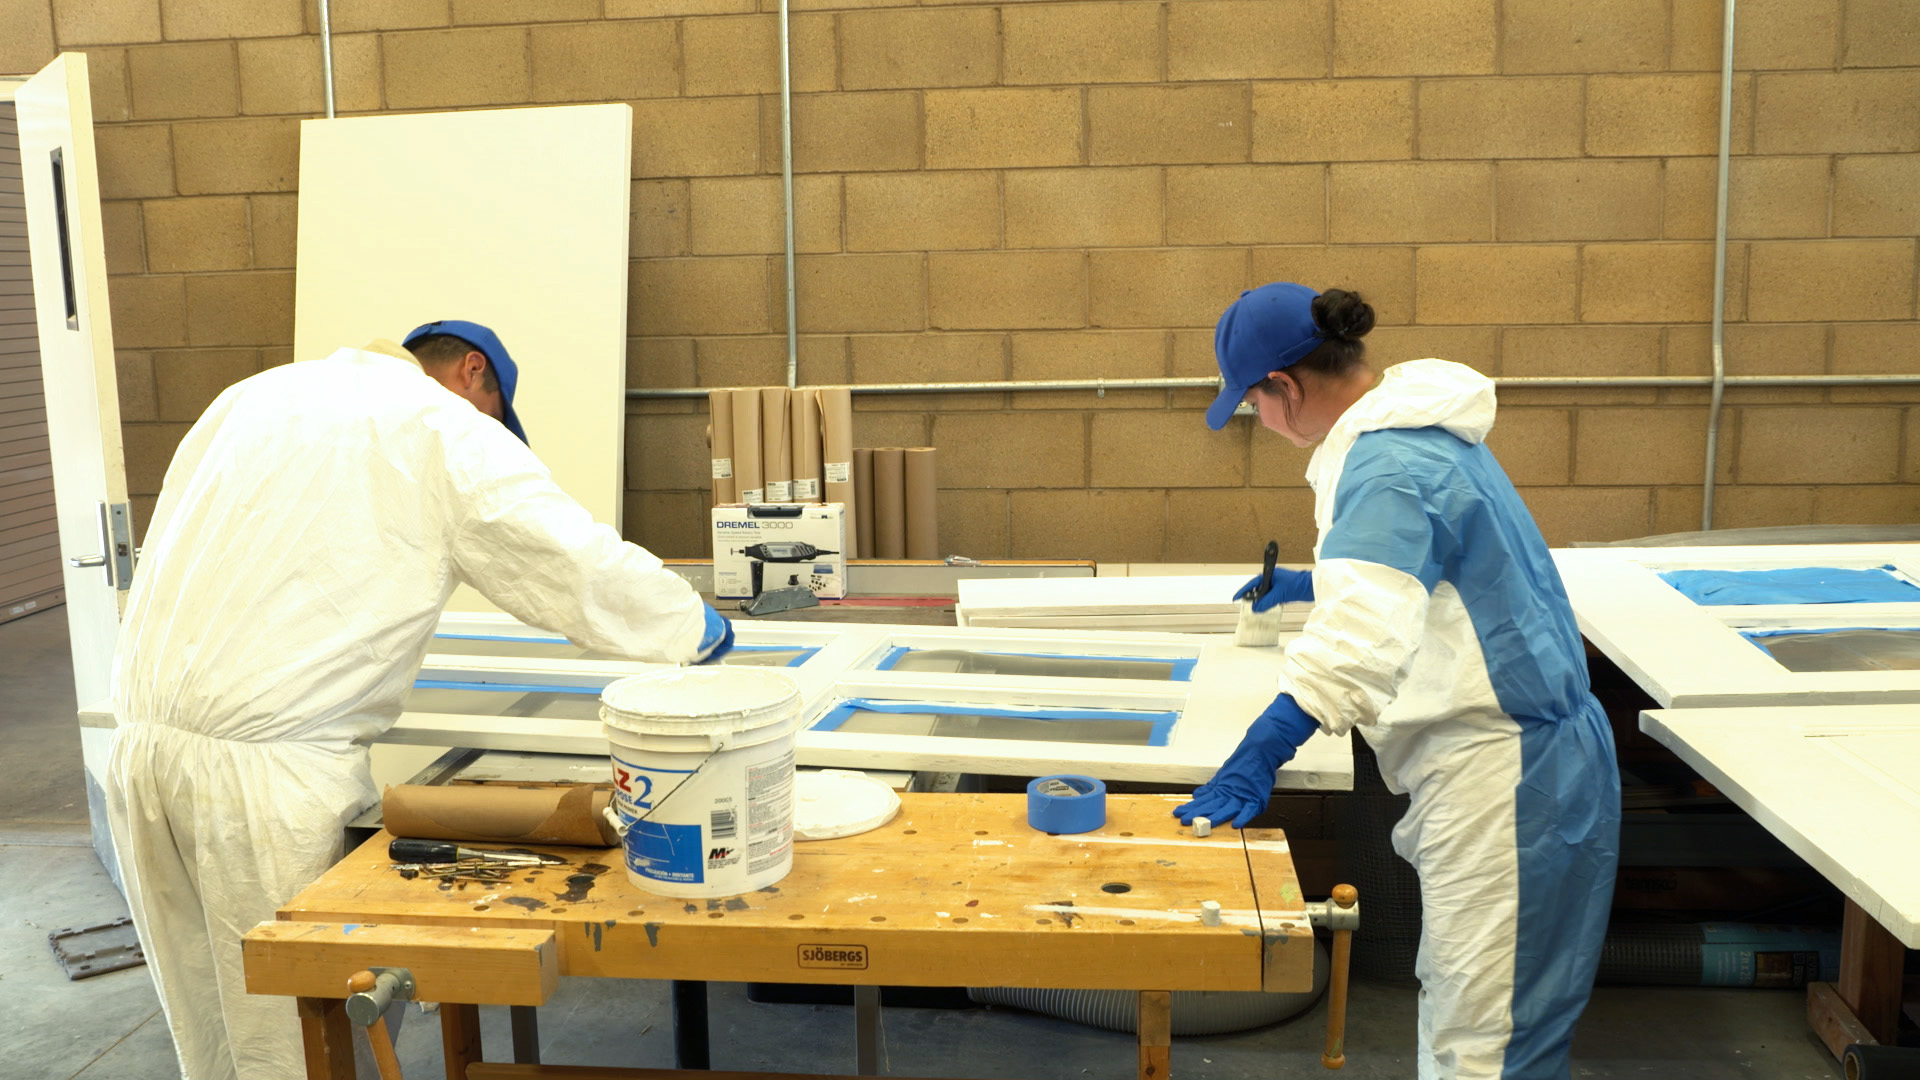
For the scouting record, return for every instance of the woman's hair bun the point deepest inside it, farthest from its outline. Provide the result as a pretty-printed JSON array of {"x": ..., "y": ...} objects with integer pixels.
[{"x": 1342, "y": 314}]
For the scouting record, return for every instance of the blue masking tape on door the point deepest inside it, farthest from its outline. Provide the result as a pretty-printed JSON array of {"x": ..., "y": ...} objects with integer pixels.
[{"x": 666, "y": 852}]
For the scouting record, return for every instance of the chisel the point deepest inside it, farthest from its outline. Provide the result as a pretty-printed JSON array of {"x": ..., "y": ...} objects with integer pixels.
[{"x": 440, "y": 853}]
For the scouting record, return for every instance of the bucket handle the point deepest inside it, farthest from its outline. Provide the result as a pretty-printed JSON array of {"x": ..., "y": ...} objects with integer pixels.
[{"x": 613, "y": 818}]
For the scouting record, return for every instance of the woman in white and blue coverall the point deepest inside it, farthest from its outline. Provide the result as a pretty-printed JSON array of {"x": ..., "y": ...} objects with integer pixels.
[{"x": 1441, "y": 632}]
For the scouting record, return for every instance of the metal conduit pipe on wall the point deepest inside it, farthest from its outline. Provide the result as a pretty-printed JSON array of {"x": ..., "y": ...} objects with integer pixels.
[
  {"x": 326, "y": 54},
  {"x": 1719, "y": 269}
]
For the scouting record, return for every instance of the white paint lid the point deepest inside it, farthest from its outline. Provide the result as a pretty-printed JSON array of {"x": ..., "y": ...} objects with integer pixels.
[
  {"x": 700, "y": 700},
  {"x": 840, "y": 802}
]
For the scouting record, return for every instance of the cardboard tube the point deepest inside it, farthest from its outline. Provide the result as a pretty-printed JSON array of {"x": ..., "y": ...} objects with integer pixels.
[
  {"x": 747, "y": 486},
  {"x": 720, "y": 440},
  {"x": 538, "y": 815},
  {"x": 922, "y": 505},
  {"x": 836, "y": 467},
  {"x": 806, "y": 447},
  {"x": 863, "y": 491},
  {"x": 776, "y": 445},
  {"x": 889, "y": 503}
]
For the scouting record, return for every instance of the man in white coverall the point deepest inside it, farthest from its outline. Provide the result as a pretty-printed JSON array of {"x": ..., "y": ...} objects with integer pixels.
[{"x": 308, "y": 533}]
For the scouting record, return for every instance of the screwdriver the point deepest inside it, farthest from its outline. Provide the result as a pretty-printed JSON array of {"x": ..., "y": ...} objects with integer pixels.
[{"x": 436, "y": 852}]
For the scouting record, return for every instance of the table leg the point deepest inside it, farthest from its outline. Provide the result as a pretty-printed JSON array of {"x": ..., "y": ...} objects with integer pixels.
[
  {"x": 526, "y": 1034},
  {"x": 690, "y": 1049},
  {"x": 866, "y": 1030},
  {"x": 1870, "y": 973},
  {"x": 327, "y": 1037},
  {"x": 459, "y": 1038},
  {"x": 1156, "y": 1034}
]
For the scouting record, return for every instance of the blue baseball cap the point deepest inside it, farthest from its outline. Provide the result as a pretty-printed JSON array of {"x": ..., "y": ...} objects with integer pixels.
[
  {"x": 489, "y": 345},
  {"x": 1267, "y": 330}
]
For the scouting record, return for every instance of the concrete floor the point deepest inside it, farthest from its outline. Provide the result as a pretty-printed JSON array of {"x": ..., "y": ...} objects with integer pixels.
[{"x": 110, "y": 1028}]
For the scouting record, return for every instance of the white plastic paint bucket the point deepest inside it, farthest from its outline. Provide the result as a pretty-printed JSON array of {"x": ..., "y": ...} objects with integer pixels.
[{"x": 703, "y": 777}]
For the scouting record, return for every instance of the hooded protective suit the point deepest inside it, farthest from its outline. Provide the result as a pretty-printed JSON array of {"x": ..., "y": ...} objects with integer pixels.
[
  {"x": 1441, "y": 630},
  {"x": 309, "y": 531}
]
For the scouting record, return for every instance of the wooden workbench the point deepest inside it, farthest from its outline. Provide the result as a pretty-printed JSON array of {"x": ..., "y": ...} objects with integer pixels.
[{"x": 957, "y": 890}]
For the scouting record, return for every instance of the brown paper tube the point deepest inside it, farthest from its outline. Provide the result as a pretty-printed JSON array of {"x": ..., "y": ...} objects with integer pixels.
[
  {"x": 544, "y": 815},
  {"x": 747, "y": 486},
  {"x": 806, "y": 447},
  {"x": 720, "y": 439},
  {"x": 836, "y": 466},
  {"x": 863, "y": 491},
  {"x": 889, "y": 503},
  {"x": 923, "y": 497},
  {"x": 776, "y": 445}
]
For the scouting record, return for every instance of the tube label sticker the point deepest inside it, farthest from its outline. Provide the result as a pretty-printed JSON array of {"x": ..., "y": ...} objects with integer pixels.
[
  {"x": 752, "y": 497},
  {"x": 839, "y": 472},
  {"x": 723, "y": 468},
  {"x": 806, "y": 489},
  {"x": 779, "y": 491}
]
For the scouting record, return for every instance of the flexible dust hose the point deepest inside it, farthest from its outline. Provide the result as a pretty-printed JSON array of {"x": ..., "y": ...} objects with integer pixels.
[
  {"x": 1881, "y": 1063},
  {"x": 1195, "y": 1012}
]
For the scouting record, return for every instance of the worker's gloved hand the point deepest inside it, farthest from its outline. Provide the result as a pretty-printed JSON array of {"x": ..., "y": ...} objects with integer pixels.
[
  {"x": 1240, "y": 789},
  {"x": 1288, "y": 586},
  {"x": 718, "y": 640}
]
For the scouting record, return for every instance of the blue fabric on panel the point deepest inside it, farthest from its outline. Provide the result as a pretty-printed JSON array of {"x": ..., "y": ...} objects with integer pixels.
[
  {"x": 1182, "y": 670},
  {"x": 504, "y": 688},
  {"x": 1159, "y": 731},
  {"x": 1801, "y": 585}
]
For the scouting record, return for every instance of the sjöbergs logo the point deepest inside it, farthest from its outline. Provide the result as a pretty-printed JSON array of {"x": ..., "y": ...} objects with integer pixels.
[{"x": 844, "y": 957}]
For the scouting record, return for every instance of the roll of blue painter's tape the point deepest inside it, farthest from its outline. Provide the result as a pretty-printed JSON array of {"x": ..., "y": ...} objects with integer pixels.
[{"x": 1066, "y": 804}]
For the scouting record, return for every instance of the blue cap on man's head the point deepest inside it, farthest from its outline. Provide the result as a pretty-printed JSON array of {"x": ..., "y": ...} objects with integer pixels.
[
  {"x": 488, "y": 342},
  {"x": 1267, "y": 330}
]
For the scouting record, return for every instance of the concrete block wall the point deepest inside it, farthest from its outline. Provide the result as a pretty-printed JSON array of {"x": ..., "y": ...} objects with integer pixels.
[{"x": 1018, "y": 189}]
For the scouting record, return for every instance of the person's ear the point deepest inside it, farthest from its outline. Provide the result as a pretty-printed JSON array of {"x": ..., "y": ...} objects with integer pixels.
[
  {"x": 473, "y": 367},
  {"x": 1287, "y": 386}
]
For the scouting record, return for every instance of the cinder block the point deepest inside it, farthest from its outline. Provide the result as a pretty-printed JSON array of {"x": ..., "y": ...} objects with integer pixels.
[
  {"x": 1876, "y": 195},
  {"x": 198, "y": 234},
  {"x": 1333, "y": 120},
  {"x": 1814, "y": 280},
  {"x": 1165, "y": 288},
  {"x": 1090, "y": 354},
  {"x": 240, "y": 309},
  {"x": 669, "y": 453},
  {"x": 1243, "y": 39},
  {"x": 1474, "y": 346},
  {"x": 1750, "y": 349},
  {"x": 897, "y": 211},
  {"x": 1677, "y": 509},
  {"x": 698, "y": 296},
  {"x": 1766, "y": 197},
  {"x": 1881, "y": 33},
  {"x": 26, "y": 41},
  {"x": 1107, "y": 526},
  {"x": 1507, "y": 117},
  {"x": 148, "y": 312},
  {"x": 991, "y": 129},
  {"x": 1877, "y": 348},
  {"x": 1820, "y": 445},
  {"x": 135, "y": 160},
  {"x": 1837, "y": 112},
  {"x": 1006, "y": 450},
  {"x": 1235, "y": 525},
  {"x": 1172, "y": 449},
  {"x": 275, "y": 224},
  {"x": 650, "y": 9},
  {"x": 149, "y": 450},
  {"x": 124, "y": 234},
  {"x": 439, "y": 69},
  {"x": 1663, "y": 282},
  {"x": 1277, "y": 463},
  {"x": 670, "y": 524},
  {"x": 741, "y": 55},
  {"x": 744, "y": 215},
  {"x": 659, "y": 213},
  {"x": 185, "y": 20},
  {"x": 1007, "y": 290},
  {"x": 1580, "y": 350},
  {"x": 924, "y": 358},
  {"x": 604, "y": 61},
  {"x": 91, "y": 22},
  {"x": 1435, "y": 37},
  {"x": 823, "y": 361},
  {"x": 107, "y": 81},
  {"x": 1533, "y": 445},
  {"x": 974, "y": 523},
  {"x": 1768, "y": 35},
  {"x": 1663, "y": 115},
  {"x": 854, "y": 293},
  {"x": 175, "y": 81},
  {"x": 1911, "y": 471},
  {"x": 1546, "y": 36},
  {"x": 1246, "y": 204},
  {"x": 660, "y": 362},
  {"x": 360, "y": 15},
  {"x": 1881, "y": 504},
  {"x": 1641, "y": 446},
  {"x": 483, "y": 12},
  {"x": 696, "y": 137},
  {"x": 1569, "y": 514},
  {"x": 1577, "y": 200},
  {"x": 1432, "y": 202},
  {"x": 1495, "y": 284},
  {"x": 189, "y": 379},
  {"x": 283, "y": 75},
  {"x": 221, "y": 157},
  {"x": 1080, "y": 43},
  {"x": 1194, "y": 124},
  {"x": 133, "y": 370},
  {"x": 873, "y": 132},
  {"x": 743, "y": 361},
  {"x": 1382, "y": 275},
  {"x": 1083, "y": 207},
  {"x": 912, "y": 48}
]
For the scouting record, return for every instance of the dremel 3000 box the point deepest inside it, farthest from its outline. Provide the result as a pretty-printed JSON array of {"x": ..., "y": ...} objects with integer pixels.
[{"x": 792, "y": 543}]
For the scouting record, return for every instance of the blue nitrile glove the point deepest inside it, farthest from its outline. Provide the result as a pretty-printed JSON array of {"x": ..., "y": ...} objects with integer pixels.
[
  {"x": 1288, "y": 586},
  {"x": 718, "y": 640},
  {"x": 1240, "y": 789}
]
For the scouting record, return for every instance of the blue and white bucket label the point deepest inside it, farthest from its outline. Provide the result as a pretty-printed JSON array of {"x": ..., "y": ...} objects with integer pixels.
[{"x": 719, "y": 824}]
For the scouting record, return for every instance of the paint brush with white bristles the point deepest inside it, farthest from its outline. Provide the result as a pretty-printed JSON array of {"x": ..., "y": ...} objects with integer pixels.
[{"x": 1260, "y": 628}]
